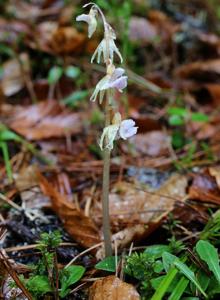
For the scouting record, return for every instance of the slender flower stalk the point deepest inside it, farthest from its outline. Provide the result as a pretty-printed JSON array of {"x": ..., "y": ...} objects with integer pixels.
[{"x": 113, "y": 80}]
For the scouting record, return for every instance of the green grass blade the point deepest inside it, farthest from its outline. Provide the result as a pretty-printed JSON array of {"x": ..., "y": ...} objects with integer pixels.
[
  {"x": 179, "y": 289},
  {"x": 189, "y": 274},
  {"x": 159, "y": 293}
]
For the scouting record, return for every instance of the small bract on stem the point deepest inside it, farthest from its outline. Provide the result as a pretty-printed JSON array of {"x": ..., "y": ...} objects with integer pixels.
[{"x": 113, "y": 80}]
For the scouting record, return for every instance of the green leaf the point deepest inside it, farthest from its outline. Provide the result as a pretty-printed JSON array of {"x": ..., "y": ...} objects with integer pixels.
[
  {"x": 8, "y": 135},
  {"x": 209, "y": 254},
  {"x": 172, "y": 260},
  {"x": 168, "y": 260},
  {"x": 156, "y": 251},
  {"x": 189, "y": 274},
  {"x": 69, "y": 276},
  {"x": 108, "y": 264},
  {"x": 176, "y": 120},
  {"x": 39, "y": 285},
  {"x": 199, "y": 117},
  {"x": 178, "y": 111},
  {"x": 54, "y": 75},
  {"x": 72, "y": 72},
  {"x": 75, "y": 97}
]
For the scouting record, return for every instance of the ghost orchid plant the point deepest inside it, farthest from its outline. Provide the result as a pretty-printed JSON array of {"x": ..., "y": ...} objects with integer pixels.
[{"x": 113, "y": 80}]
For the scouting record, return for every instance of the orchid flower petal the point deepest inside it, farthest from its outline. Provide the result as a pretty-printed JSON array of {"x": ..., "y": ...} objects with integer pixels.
[
  {"x": 90, "y": 19},
  {"x": 108, "y": 136},
  {"x": 127, "y": 129},
  {"x": 119, "y": 83}
]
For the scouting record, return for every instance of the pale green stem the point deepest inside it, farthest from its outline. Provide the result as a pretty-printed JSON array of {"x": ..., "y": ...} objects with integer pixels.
[{"x": 105, "y": 188}]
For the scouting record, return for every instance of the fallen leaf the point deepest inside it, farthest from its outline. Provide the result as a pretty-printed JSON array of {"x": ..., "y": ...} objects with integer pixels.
[
  {"x": 13, "y": 74},
  {"x": 27, "y": 183},
  {"x": 154, "y": 143},
  {"x": 79, "y": 227},
  {"x": 45, "y": 120},
  {"x": 201, "y": 70},
  {"x": 67, "y": 40},
  {"x": 141, "y": 30},
  {"x": 112, "y": 288},
  {"x": 205, "y": 188},
  {"x": 215, "y": 172},
  {"x": 135, "y": 212}
]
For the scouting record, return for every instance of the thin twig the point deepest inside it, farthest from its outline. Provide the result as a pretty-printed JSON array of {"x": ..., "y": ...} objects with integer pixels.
[{"x": 82, "y": 253}]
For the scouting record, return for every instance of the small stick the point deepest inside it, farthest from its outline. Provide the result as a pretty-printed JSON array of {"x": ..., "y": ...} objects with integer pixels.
[{"x": 82, "y": 253}]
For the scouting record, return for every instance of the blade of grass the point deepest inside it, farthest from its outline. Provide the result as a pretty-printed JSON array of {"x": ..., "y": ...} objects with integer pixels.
[
  {"x": 159, "y": 293},
  {"x": 179, "y": 289},
  {"x": 6, "y": 159}
]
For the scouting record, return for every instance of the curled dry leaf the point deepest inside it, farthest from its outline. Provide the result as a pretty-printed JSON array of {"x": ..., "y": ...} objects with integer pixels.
[
  {"x": 45, "y": 120},
  {"x": 14, "y": 70},
  {"x": 112, "y": 288},
  {"x": 205, "y": 188},
  {"x": 79, "y": 227}
]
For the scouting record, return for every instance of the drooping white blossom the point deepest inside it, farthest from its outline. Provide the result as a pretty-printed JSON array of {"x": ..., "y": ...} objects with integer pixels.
[
  {"x": 119, "y": 129},
  {"x": 90, "y": 19},
  {"x": 107, "y": 47},
  {"x": 113, "y": 80}
]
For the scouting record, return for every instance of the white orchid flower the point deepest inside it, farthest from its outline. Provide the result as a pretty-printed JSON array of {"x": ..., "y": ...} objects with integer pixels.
[
  {"x": 90, "y": 19},
  {"x": 107, "y": 47},
  {"x": 113, "y": 80},
  {"x": 119, "y": 129}
]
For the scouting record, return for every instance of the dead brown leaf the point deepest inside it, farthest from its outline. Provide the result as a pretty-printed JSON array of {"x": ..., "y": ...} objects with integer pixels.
[
  {"x": 141, "y": 30},
  {"x": 13, "y": 74},
  {"x": 79, "y": 227},
  {"x": 135, "y": 212},
  {"x": 205, "y": 188},
  {"x": 27, "y": 183},
  {"x": 205, "y": 70},
  {"x": 154, "y": 143},
  {"x": 112, "y": 288},
  {"x": 67, "y": 40},
  {"x": 45, "y": 120}
]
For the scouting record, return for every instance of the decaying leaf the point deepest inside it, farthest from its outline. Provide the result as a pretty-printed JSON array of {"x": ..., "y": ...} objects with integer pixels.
[
  {"x": 27, "y": 182},
  {"x": 112, "y": 288},
  {"x": 45, "y": 120},
  {"x": 200, "y": 70},
  {"x": 215, "y": 172},
  {"x": 67, "y": 40},
  {"x": 135, "y": 212},
  {"x": 205, "y": 188},
  {"x": 154, "y": 143},
  {"x": 141, "y": 30},
  {"x": 14, "y": 71},
  {"x": 79, "y": 227}
]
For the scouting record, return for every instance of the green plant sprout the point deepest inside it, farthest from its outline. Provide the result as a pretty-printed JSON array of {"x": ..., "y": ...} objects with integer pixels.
[
  {"x": 113, "y": 80},
  {"x": 46, "y": 278}
]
